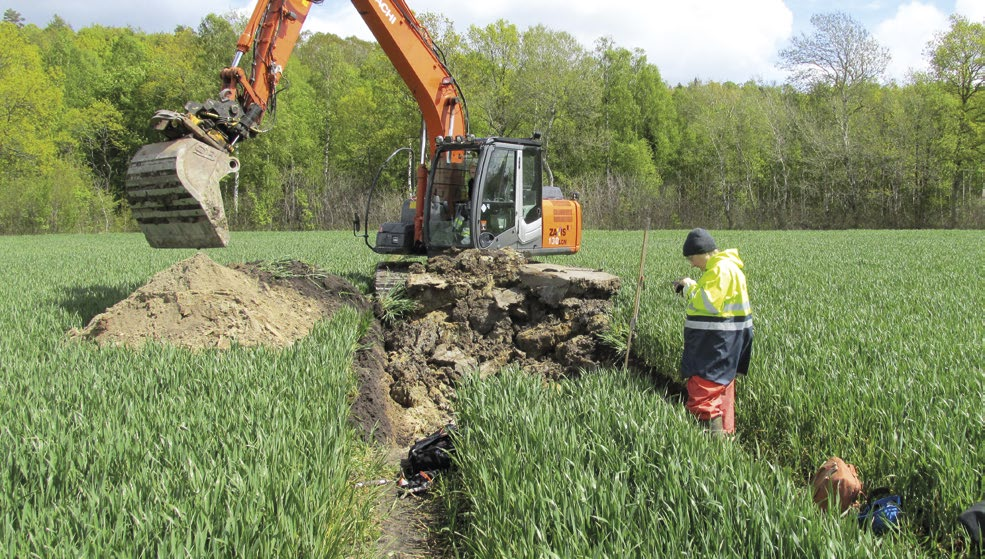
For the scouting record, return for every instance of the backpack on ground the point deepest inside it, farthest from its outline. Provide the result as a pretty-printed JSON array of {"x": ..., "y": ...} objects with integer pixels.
[
  {"x": 882, "y": 512},
  {"x": 432, "y": 452},
  {"x": 426, "y": 458},
  {"x": 836, "y": 481},
  {"x": 973, "y": 520}
]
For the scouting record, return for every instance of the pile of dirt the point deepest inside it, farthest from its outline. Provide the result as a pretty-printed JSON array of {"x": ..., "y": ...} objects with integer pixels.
[
  {"x": 198, "y": 304},
  {"x": 479, "y": 311}
]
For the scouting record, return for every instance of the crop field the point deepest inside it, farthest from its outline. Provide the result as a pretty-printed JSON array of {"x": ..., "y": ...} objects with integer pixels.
[
  {"x": 869, "y": 346},
  {"x": 161, "y": 451}
]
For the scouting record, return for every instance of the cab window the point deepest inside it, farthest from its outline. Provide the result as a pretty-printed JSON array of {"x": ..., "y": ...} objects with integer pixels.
[
  {"x": 498, "y": 207},
  {"x": 531, "y": 185}
]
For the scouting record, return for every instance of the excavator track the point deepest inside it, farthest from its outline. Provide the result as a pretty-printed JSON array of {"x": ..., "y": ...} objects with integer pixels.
[
  {"x": 390, "y": 276},
  {"x": 173, "y": 191}
]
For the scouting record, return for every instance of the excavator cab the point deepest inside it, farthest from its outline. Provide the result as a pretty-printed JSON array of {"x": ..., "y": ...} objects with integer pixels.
[{"x": 489, "y": 193}]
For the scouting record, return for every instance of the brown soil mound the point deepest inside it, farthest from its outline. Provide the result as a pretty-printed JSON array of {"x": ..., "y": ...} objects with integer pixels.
[
  {"x": 484, "y": 310},
  {"x": 199, "y": 304}
]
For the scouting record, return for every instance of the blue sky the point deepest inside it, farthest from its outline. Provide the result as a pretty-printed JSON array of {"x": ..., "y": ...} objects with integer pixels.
[{"x": 720, "y": 40}]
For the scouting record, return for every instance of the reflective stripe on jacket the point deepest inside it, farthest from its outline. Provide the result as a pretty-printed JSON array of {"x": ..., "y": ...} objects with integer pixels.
[{"x": 718, "y": 326}]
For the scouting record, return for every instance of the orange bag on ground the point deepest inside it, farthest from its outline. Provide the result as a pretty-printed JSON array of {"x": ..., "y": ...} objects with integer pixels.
[{"x": 838, "y": 479}]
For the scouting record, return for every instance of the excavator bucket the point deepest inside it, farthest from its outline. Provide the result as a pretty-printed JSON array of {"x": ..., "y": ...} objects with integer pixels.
[{"x": 173, "y": 191}]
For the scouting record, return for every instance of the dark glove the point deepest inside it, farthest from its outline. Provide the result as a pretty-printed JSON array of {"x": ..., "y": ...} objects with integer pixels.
[{"x": 680, "y": 284}]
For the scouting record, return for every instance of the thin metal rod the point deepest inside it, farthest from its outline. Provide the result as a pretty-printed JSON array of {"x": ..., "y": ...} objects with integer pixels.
[{"x": 636, "y": 303}]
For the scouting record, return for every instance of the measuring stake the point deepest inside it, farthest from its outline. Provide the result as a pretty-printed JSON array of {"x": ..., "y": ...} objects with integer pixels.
[{"x": 636, "y": 304}]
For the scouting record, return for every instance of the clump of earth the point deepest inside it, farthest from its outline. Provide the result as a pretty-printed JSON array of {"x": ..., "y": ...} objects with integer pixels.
[
  {"x": 474, "y": 312},
  {"x": 480, "y": 311}
]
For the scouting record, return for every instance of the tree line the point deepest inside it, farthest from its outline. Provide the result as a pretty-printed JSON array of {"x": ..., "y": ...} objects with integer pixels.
[{"x": 834, "y": 147}]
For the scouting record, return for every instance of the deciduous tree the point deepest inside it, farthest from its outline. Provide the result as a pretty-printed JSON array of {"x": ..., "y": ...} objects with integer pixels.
[
  {"x": 843, "y": 60},
  {"x": 957, "y": 58}
]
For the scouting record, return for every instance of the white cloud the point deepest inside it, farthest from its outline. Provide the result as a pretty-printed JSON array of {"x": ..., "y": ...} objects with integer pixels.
[
  {"x": 974, "y": 10},
  {"x": 709, "y": 40},
  {"x": 906, "y": 36},
  {"x": 339, "y": 18}
]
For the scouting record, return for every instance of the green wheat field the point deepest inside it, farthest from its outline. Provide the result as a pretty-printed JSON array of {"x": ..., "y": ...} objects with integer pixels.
[{"x": 870, "y": 345}]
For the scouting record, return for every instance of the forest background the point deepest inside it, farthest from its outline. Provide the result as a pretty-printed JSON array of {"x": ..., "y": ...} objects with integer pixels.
[{"x": 835, "y": 147}]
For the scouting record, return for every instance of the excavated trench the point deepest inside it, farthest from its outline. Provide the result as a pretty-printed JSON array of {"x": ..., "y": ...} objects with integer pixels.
[
  {"x": 480, "y": 311},
  {"x": 472, "y": 312}
]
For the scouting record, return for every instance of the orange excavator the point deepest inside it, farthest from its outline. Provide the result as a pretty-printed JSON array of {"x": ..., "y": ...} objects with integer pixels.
[{"x": 471, "y": 192}]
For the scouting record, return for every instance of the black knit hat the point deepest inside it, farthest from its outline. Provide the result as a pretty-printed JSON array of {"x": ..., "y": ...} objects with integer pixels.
[{"x": 698, "y": 241}]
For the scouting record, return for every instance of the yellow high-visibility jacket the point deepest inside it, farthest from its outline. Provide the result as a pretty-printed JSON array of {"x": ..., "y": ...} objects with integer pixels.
[{"x": 718, "y": 325}]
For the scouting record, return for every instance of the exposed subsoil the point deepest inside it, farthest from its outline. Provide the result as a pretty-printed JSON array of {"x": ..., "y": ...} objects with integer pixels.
[
  {"x": 482, "y": 311},
  {"x": 475, "y": 312}
]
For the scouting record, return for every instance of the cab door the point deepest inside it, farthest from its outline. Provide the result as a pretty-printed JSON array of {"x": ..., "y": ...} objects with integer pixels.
[
  {"x": 498, "y": 204},
  {"x": 530, "y": 222},
  {"x": 510, "y": 207}
]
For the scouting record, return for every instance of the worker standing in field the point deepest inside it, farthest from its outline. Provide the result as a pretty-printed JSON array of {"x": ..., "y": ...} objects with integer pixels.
[{"x": 717, "y": 331}]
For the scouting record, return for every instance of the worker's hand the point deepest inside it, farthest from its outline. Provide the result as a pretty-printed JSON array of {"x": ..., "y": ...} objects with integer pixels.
[{"x": 681, "y": 284}]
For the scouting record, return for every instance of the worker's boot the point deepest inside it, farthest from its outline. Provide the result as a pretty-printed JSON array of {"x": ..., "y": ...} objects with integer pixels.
[{"x": 715, "y": 426}]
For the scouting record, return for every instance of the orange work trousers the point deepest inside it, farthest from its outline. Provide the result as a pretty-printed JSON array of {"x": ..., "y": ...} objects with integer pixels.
[{"x": 707, "y": 399}]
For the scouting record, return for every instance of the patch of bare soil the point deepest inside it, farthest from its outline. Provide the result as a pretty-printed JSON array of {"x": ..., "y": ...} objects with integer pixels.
[{"x": 408, "y": 522}]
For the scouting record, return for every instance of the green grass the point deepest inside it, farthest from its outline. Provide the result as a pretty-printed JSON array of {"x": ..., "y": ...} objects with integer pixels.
[
  {"x": 868, "y": 346},
  {"x": 603, "y": 467},
  {"x": 162, "y": 451},
  {"x": 395, "y": 304}
]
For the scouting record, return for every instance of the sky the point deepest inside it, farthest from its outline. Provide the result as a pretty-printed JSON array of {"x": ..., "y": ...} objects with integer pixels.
[{"x": 707, "y": 40}]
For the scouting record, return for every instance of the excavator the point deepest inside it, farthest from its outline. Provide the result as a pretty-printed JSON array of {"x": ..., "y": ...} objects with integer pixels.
[{"x": 471, "y": 192}]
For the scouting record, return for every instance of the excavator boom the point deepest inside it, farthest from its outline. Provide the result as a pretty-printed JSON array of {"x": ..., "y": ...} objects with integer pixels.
[{"x": 414, "y": 55}]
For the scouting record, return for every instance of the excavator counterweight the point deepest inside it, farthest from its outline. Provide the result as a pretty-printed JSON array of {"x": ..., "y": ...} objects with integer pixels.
[{"x": 173, "y": 191}]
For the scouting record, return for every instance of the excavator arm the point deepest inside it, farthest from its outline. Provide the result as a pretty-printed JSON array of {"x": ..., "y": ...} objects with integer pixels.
[
  {"x": 490, "y": 186},
  {"x": 270, "y": 35},
  {"x": 416, "y": 58},
  {"x": 173, "y": 186},
  {"x": 244, "y": 99}
]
